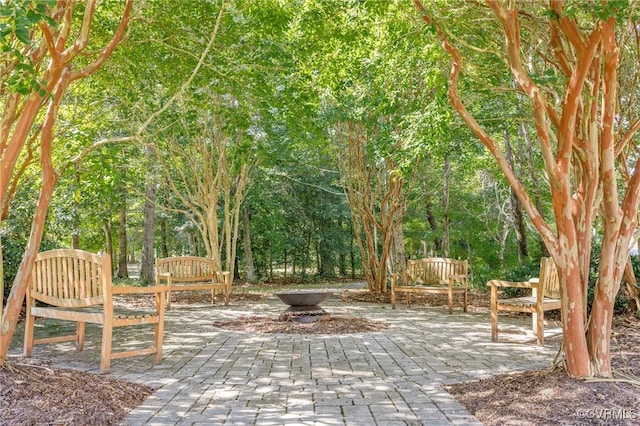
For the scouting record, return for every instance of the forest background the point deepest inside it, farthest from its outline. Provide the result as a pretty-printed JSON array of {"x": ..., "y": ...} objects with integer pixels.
[{"x": 285, "y": 140}]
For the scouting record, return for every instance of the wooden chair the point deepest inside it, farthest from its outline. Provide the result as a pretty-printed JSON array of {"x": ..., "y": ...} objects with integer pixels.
[
  {"x": 75, "y": 285},
  {"x": 192, "y": 273},
  {"x": 432, "y": 275},
  {"x": 545, "y": 296}
]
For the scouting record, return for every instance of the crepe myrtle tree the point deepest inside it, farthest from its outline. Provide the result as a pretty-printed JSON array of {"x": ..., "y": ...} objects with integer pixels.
[
  {"x": 45, "y": 46},
  {"x": 569, "y": 61}
]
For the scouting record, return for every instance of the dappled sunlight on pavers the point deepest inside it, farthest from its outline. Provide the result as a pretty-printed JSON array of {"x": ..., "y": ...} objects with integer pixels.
[{"x": 216, "y": 376}]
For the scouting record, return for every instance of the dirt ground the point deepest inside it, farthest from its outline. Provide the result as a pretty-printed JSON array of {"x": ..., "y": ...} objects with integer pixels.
[{"x": 33, "y": 393}]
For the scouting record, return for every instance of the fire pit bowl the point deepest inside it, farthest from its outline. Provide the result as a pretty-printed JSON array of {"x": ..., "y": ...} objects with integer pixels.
[
  {"x": 303, "y": 297},
  {"x": 303, "y": 305}
]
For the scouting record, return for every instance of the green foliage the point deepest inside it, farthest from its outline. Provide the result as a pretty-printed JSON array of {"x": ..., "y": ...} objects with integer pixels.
[
  {"x": 288, "y": 73},
  {"x": 19, "y": 20},
  {"x": 12, "y": 249},
  {"x": 521, "y": 273},
  {"x": 15, "y": 231},
  {"x": 621, "y": 303},
  {"x": 591, "y": 11}
]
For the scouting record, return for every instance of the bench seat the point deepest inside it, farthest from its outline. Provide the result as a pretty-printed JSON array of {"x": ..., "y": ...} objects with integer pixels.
[{"x": 545, "y": 296}]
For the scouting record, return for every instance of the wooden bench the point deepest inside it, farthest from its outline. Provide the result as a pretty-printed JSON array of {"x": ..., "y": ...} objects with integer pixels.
[
  {"x": 192, "y": 273},
  {"x": 432, "y": 275},
  {"x": 545, "y": 296},
  {"x": 76, "y": 285}
]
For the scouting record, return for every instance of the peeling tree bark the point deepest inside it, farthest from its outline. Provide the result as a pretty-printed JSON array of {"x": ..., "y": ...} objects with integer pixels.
[
  {"x": 55, "y": 54},
  {"x": 375, "y": 196},
  {"x": 211, "y": 185},
  {"x": 579, "y": 147}
]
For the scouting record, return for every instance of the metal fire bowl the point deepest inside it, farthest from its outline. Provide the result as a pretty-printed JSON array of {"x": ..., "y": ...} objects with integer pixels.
[{"x": 304, "y": 297}]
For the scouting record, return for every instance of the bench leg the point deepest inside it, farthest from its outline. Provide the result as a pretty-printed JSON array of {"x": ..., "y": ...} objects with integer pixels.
[
  {"x": 494, "y": 314},
  {"x": 450, "y": 301},
  {"x": 80, "y": 327},
  {"x": 105, "y": 351},
  {"x": 159, "y": 329},
  {"x": 464, "y": 301},
  {"x": 539, "y": 324},
  {"x": 168, "y": 299},
  {"x": 28, "y": 332},
  {"x": 409, "y": 299},
  {"x": 393, "y": 298}
]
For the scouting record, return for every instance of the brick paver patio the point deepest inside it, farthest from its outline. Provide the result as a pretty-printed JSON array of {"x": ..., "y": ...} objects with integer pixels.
[{"x": 211, "y": 376}]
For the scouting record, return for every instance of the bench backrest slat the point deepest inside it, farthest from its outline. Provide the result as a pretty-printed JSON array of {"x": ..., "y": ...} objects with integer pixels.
[
  {"x": 436, "y": 270},
  {"x": 549, "y": 278},
  {"x": 67, "y": 277}
]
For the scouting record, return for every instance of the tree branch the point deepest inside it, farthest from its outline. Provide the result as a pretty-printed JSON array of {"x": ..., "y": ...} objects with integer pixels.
[{"x": 189, "y": 80}]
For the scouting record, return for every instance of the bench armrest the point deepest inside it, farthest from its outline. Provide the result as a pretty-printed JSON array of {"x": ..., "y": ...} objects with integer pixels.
[
  {"x": 221, "y": 276},
  {"x": 457, "y": 278},
  {"x": 158, "y": 290},
  {"x": 138, "y": 290},
  {"x": 532, "y": 283},
  {"x": 399, "y": 278},
  {"x": 163, "y": 276}
]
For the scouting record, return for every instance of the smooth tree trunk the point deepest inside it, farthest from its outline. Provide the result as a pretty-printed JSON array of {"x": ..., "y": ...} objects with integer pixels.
[
  {"x": 210, "y": 188},
  {"x": 75, "y": 239},
  {"x": 306, "y": 260},
  {"x": 49, "y": 179}
]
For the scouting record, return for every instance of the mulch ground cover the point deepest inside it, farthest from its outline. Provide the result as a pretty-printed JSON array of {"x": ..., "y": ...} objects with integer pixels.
[
  {"x": 551, "y": 397},
  {"x": 33, "y": 393}
]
